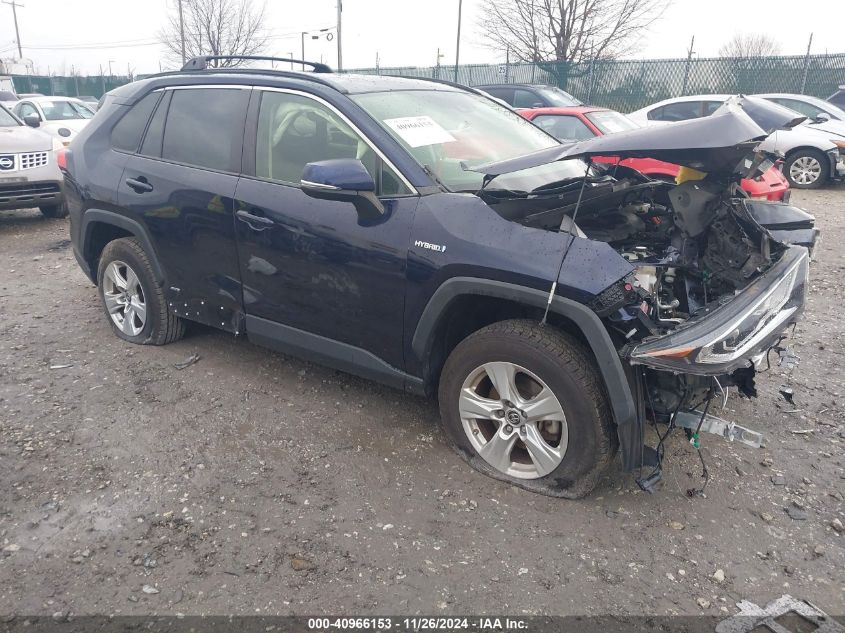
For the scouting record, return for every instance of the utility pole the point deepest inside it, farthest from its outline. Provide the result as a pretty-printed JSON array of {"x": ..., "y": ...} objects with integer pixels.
[
  {"x": 15, "y": 6},
  {"x": 110, "y": 73},
  {"x": 182, "y": 31},
  {"x": 339, "y": 48},
  {"x": 458, "y": 43},
  {"x": 690, "y": 53},
  {"x": 806, "y": 64}
]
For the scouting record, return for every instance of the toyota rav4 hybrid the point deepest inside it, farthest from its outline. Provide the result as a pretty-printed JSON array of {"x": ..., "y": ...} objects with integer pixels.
[{"x": 420, "y": 234}]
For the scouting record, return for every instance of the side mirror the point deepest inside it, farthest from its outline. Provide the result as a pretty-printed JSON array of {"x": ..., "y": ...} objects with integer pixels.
[
  {"x": 32, "y": 120},
  {"x": 343, "y": 179},
  {"x": 822, "y": 117}
]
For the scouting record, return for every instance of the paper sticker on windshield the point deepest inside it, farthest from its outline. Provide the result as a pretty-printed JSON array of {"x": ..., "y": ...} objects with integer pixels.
[{"x": 417, "y": 131}]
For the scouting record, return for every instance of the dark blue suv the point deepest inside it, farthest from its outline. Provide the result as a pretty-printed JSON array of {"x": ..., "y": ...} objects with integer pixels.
[{"x": 418, "y": 233}]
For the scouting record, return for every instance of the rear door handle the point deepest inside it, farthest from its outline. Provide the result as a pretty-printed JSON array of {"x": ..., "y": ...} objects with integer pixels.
[
  {"x": 139, "y": 185},
  {"x": 256, "y": 221}
]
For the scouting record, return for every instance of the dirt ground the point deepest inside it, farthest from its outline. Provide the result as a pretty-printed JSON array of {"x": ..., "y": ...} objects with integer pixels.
[{"x": 251, "y": 482}]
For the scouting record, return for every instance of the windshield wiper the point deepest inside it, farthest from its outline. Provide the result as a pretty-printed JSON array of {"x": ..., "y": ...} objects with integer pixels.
[{"x": 427, "y": 169}]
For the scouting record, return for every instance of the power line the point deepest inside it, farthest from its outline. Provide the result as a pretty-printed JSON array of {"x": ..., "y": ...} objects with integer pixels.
[{"x": 93, "y": 46}]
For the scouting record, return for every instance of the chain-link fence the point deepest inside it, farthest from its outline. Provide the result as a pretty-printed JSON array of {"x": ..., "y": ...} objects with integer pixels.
[
  {"x": 630, "y": 84},
  {"x": 95, "y": 86},
  {"x": 620, "y": 84}
]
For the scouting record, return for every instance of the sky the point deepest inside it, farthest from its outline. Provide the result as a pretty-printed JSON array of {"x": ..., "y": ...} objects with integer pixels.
[{"x": 85, "y": 35}]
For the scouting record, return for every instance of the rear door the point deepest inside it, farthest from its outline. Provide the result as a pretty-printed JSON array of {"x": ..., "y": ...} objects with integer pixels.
[
  {"x": 318, "y": 279},
  {"x": 181, "y": 187}
]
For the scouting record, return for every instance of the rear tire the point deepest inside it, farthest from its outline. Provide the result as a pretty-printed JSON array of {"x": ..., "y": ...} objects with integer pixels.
[
  {"x": 522, "y": 439},
  {"x": 54, "y": 211},
  {"x": 133, "y": 301},
  {"x": 807, "y": 169}
]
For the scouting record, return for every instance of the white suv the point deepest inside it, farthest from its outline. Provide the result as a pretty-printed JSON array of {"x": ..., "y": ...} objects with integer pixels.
[
  {"x": 811, "y": 157},
  {"x": 29, "y": 174}
]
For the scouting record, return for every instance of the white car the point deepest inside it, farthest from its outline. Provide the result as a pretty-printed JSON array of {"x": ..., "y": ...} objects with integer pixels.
[
  {"x": 811, "y": 156},
  {"x": 60, "y": 117},
  {"x": 29, "y": 174},
  {"x": 821, "y": 114}
]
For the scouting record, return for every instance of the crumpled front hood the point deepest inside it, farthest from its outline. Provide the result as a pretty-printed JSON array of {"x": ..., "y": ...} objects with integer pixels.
[
  {"x": 713, "y": 144},
  {"x": 21, "y": 138}
]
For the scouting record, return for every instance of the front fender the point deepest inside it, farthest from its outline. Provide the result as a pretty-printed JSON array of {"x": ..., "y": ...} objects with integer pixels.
[{"x": 594, "y": 332}]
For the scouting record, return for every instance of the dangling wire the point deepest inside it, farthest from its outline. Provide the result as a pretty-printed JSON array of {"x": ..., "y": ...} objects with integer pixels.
[
  {"x": 568, "y": 242},
  {"x": 705, "y": 473}
]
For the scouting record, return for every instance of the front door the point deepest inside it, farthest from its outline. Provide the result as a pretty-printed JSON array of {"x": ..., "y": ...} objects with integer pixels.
[{"x": 315, "y": 274}]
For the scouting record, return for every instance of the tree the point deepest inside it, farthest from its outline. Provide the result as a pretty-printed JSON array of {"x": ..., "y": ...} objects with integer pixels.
[
  {"x": 567, "y": 30},
  {"x": 750, "y": 45},
  {"x": 215, "y": 27}
]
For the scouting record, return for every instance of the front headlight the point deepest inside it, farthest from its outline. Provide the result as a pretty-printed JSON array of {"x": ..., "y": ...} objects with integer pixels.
[{"x": 734, "y": 332}]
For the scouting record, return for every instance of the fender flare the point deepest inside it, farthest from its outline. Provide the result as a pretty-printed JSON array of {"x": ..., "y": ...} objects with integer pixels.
[
  {"x": 607, "y": 358},
  {"x": 101, "y": 216}
]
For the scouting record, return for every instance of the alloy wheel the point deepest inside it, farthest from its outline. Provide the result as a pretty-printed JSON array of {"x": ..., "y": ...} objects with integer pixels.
[
  {"x": 124, "y": 298},
  {"x": 805, "y": 170},
  {"x": 513, "y": 420}
]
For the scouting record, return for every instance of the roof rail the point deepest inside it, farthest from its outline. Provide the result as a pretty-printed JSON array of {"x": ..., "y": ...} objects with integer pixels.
[
  {"x": 201, "y": 62},
  {"x": 445, "y": 82}
]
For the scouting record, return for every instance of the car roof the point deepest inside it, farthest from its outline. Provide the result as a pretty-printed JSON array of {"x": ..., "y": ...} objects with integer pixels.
[
  {"x": 347, "y": 83},
  {"x": 44, "y": 99},
  {"x": 564, "y": 110}
]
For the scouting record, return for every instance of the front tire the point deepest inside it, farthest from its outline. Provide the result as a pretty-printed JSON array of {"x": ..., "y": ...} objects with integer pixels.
[
  {"x": 54, "y": 211},
  {"x": 133, "y": 301},
  {"x": 525, "y": 403},
  {"x": 807, "y": 169}
]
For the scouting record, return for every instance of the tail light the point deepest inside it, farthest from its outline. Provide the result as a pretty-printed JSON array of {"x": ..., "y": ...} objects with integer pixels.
[{"x": 61, "y": 158}]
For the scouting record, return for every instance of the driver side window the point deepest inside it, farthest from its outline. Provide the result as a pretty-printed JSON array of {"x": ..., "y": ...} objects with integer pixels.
[
  {"x": 26, "y": 109},
  {"x": 294, "y": 130}
]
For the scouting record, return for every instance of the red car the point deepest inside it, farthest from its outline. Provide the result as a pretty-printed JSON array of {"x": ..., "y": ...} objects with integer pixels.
[{"x": 582, "y": 122}]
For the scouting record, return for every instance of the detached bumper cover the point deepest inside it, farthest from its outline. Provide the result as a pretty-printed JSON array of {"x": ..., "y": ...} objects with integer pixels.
[{"x": 731, "y": 335}]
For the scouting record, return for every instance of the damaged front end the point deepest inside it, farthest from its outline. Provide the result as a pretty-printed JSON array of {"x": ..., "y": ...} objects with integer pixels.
[{"x": 716, "y": 279}]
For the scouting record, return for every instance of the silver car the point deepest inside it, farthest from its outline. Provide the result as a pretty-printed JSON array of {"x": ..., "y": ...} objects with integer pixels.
[
  {"x": 29, "y": 173},
  {"x": 811, "y": 156}
]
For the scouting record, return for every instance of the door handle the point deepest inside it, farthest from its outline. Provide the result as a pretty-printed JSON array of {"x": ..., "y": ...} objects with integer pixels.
[
  {"x": 256, "y": 221},
  {"x": 139, "y": 184}
]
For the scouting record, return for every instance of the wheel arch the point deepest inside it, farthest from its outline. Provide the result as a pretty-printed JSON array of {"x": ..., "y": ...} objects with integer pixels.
[
  {"x": 574, "y": 317},
  {"x": 804, "y": 148},
  {"x": 99, "y": 227}
]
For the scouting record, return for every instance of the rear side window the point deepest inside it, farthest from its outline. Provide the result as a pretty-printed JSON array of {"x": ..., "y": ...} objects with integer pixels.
[
  {"x": 126, "y": 135},
  {"x": 205, "y": 128},
  {"x": 505, "y": 94},
  {"x": 155, "y": 131}
]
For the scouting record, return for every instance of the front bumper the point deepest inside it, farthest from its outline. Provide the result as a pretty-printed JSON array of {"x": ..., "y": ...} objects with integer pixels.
[
  {"x": 733, "y": 335},
  {"x": 23, "y": 194}
]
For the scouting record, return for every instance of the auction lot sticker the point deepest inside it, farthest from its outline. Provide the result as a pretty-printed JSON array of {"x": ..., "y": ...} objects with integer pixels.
[{"x": 417, "y": 131}]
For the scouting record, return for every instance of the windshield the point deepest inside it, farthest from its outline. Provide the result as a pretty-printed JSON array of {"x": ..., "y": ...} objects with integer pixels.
[
  {"x": 64, "y": 110},
  {"x": 444, "y": 130},
  {"x": 610, "y": 121},
  {"x": 558, "y": 97},
  {"x": 6, "y": 118}
]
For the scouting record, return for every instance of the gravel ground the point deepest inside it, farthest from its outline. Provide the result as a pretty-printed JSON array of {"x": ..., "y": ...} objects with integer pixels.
[{"x": 251, "y": 482}]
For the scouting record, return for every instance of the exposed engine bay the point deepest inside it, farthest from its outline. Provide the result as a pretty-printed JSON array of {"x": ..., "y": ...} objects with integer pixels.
[
  {"x": 716, "y": 279},
  {"x": 691, "y": 244},
  {"x": 694, "y": 248}
]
